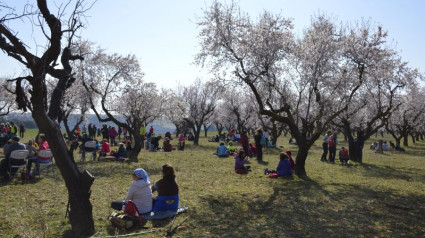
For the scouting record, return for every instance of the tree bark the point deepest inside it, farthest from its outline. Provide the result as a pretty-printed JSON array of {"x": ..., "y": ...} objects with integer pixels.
[
  {"x": 138, "y": 145},
  {"x": 405, "y": 140},
  {"x": 301, "y": 159},
  {"x": 80, "y": 215},
  {"x": 413, "y": 138}
]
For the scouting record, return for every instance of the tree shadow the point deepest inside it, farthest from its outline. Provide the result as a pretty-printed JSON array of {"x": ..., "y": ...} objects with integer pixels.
[
  {"x": 387, "y": 172},
  {"x": 306, "y": 209}
]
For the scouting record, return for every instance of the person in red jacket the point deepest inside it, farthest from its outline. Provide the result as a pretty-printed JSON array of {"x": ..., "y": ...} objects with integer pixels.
[{"x": 104, "y": 149}]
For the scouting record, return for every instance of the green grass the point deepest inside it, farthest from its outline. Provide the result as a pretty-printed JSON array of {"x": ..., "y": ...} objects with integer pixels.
[{"x": 383, "y": 197}]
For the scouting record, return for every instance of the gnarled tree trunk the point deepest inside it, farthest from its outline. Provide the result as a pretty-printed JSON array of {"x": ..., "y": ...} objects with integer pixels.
[{"x": 78, "y": 185}]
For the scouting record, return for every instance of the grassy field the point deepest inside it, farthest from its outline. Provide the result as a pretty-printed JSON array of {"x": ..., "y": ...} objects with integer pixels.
[{"x": 383, "y": 197}]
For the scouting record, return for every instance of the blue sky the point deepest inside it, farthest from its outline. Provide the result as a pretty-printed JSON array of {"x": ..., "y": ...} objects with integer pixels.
[{"x": 163, "y": 33}]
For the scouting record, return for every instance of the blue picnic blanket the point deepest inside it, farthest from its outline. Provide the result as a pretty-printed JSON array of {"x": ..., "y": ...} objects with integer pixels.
[{"x": 158, "y": 215}]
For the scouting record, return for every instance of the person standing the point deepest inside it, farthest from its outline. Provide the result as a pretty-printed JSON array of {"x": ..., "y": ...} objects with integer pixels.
[
  {"x": 13, "y": 129},
  {"x": 143, "y": 134},
  {"x": 21, "y": 130},
  {"x": 84, "y": 130},
  {"x": 112, "y": 133},
  {"x": 260, "y": 141},
  {"x": 244, "y": 141},
  {"x": 332, "y": 142},
  {"x": 150, "y": 131},
  {"x": 325, "y": 146},
  {"x": 359, "y": 145}
]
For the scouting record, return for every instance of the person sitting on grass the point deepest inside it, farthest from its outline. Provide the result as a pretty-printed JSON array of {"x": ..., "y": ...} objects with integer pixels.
[
  {"x": 168, "y": 190},
  {"x": 121, "y": 154},
  {"x": 128, "y": 146},
  {"x": 240, "y": 161},
  {"x": 252, "y": 150},
  {"x": 289, "y": 153},
  {"x": 343, "y": 155},
  {"x": 270, "y": 143},
  {"x": 139, "y": 192},
  {"x": 167, "y": 145},
  {"x": 181, "y": 142},
  {"x": 222, "y": 151},
  {"x": 153, "y": 147},
  {"x": 104, "y": 149},
  {"x": 231, "y": 148},
  {"x": 283, "y": 168}
]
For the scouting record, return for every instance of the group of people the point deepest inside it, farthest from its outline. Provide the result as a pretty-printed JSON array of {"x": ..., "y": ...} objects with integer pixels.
[
  {"x": 10, "y": 130},
  {"x": 385, "y": 147},
  {"x": 152, "y": 142},
  {"x": 103, "y": 148},
  {"x": 250, "y": 149},
  {"x": 141, "y": 192},
  {"x": 33, "y": 149},
  {"x": 286, "y": 165},
  {"x": 330, "y": 142}
]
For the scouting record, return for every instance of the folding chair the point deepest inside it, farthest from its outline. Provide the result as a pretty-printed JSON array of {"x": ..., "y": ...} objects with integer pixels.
[
  {"x": 17, "y": 160},
  {"x": 47, "y": 164},
  {"x": 89, "y": 147}
]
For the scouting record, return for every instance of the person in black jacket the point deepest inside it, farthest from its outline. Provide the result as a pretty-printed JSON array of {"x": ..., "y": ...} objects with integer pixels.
[{"x": 259, "y": 142}]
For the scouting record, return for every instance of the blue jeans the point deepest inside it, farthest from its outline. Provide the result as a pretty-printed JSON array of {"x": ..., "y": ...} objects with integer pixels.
[{"x": 37, "y": 165}]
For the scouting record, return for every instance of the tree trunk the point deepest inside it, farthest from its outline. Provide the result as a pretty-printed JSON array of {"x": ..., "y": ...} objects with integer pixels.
[
  {"x": 78, "y": 185},
  {"x": 301, "y": 159},
  {"x": 67, "y": 129},
  {"x": 197, "y": 132},
  {"x": 380, "y": 149},
  {"x": 205, "y": 131},
  {"x": 405, "y": 140},
  {"x": 413, "y": 138},
  {"x": 138, "y": 145}
]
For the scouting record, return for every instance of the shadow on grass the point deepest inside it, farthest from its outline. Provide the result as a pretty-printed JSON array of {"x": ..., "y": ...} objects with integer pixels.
[
  {"x": 371, "y": 170},
  {"x": 306, "y": 209},
  {"x": 113, "y": 168}
]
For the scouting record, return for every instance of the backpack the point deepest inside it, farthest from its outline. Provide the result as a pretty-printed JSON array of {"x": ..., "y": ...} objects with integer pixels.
[
  {"x": 263, "y": 140},
  {"x": 129, "y": 219},
  {"x": 331, "y": 141}
]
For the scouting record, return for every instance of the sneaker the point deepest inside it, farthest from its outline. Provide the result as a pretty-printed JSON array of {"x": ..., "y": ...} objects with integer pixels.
[{"x": 266, "y": 171}]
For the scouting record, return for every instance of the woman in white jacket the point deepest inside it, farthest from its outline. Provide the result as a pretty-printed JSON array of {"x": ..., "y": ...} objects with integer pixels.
[{"x": 139, "y": 192}]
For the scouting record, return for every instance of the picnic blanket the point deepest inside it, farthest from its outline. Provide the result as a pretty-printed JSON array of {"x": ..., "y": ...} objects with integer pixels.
[{"x": 158, "y": 215}]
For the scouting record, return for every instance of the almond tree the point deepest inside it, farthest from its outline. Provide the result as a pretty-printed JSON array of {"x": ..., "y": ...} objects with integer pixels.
[
  {"x": 32, "y": 93},
  {"x": 408, "y": 116},
  {"x": 173, "y": 109},
  {"x": 384, "y": 76},
  {"x": 7, "y": 100},
  {"x": 239, "y": 108},
  {"x": 201, "y": 100},
  {"x": 312, "y": 75},
  {"x": 75, "y": 102},
  {"x": 116, "y": 83}
]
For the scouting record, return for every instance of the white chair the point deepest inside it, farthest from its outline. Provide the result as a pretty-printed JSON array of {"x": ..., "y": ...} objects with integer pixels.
[
  {"x": 47, "y": 164},
  {"x": 17, "y": 160},
  {"x": 89, "y": 147}
]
